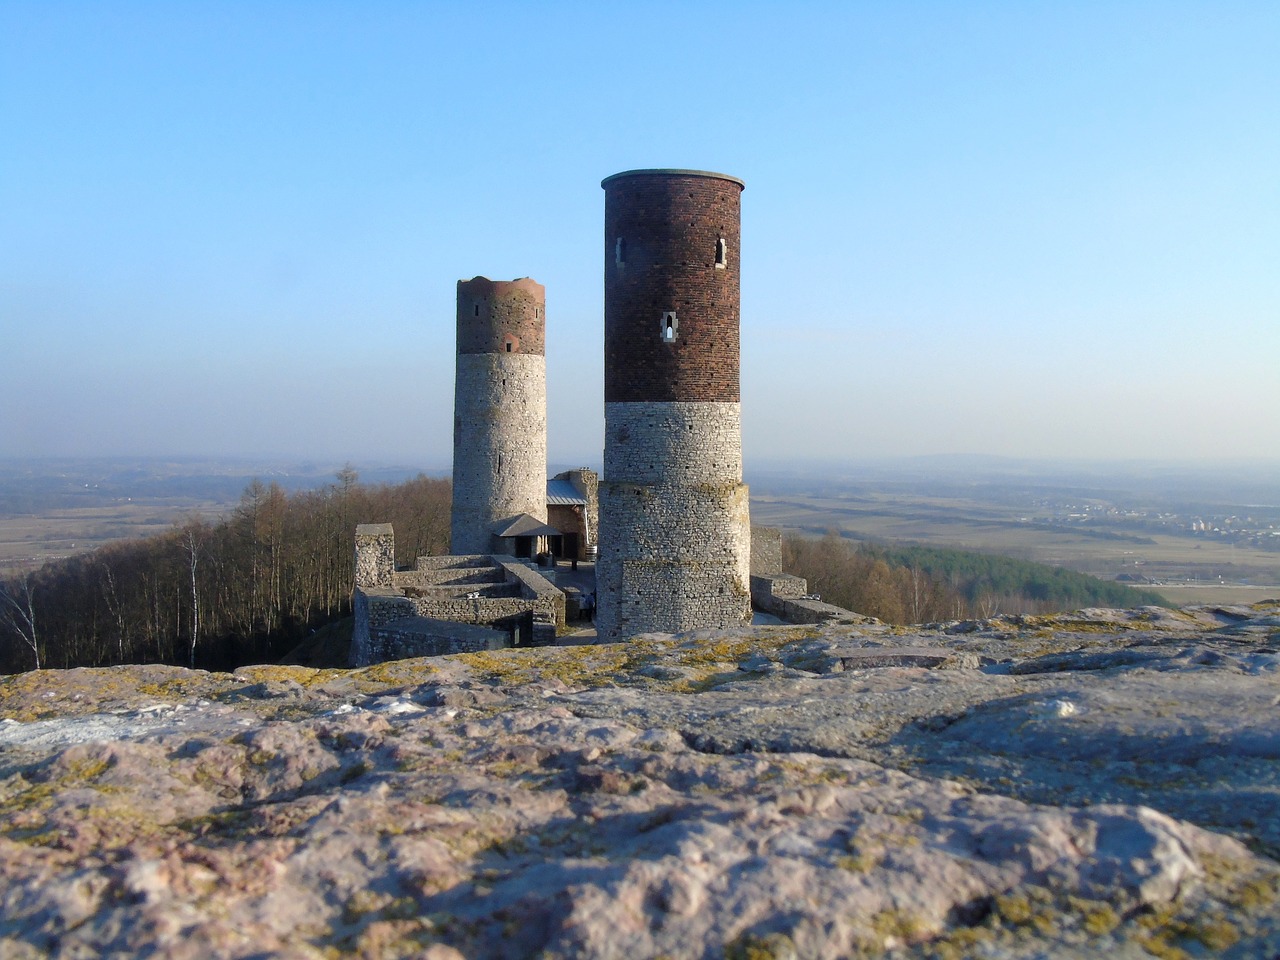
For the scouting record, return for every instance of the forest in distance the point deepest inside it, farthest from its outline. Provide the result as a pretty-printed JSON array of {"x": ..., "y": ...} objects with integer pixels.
[
  {"x": 249, "y": 586},
  {"x": 908, "y": 584},
  {"x": 244, "y": 588}
]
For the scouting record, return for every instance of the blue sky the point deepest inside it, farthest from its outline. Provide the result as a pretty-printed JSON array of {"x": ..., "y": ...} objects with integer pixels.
[{"x": 1023, "y": 228}]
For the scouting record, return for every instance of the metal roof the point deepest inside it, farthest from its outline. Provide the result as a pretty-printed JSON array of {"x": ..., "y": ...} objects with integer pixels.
[
  {"x": 562, "y": 493},
  {"x": 523, "y": 525}
]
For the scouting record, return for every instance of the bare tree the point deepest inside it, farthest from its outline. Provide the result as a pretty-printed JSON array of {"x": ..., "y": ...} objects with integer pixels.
[
  {"x": 18, "y": 613},
  {"x": 917, "y": 592},
  {"x": 112, "y": 597},
  {"x": 347, "y": 477},
  {"x": 193, "y": 536}
]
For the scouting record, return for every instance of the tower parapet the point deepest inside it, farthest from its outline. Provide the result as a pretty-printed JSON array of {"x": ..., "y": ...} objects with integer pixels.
[
  {"x": 500, "y": 410},
  {"x": 675, "y": 534}
]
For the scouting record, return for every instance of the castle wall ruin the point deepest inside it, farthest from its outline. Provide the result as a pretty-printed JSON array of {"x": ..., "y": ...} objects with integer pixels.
[{"x": 432, "y": 609}]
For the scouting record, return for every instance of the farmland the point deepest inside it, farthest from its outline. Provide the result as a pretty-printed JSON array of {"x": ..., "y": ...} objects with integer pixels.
[
  {"x": 1192, "y": 542},
  {"x": 1190, "y": 535}
]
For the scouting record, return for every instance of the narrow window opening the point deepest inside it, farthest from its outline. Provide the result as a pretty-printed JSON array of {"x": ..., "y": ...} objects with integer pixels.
[
  {"x": 620, "y": 252},
  {"x": 508, "y": 346},
  {"x": 670, "y": 327},
  {"x": 722, "y": 253},
  {"x": 477, "y": 309}
]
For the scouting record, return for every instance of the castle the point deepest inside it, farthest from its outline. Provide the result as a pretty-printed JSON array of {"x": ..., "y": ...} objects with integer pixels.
[{"x": 669, "y": 517}]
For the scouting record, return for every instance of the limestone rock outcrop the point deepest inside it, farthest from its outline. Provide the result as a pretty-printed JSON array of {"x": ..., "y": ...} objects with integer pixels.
[{"x": 1104, "y": 783}]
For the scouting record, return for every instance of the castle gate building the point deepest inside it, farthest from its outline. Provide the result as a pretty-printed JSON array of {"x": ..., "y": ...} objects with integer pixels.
[
  {"x": 675, "y": 536},
  {"x": 499, "y": 412},
  {"x": 573, "y": 508}
]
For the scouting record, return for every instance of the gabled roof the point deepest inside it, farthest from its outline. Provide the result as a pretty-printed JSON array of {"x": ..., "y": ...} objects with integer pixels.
[
  {"x": 523, "y": 525},
  {"x": 562, "y": 493}
]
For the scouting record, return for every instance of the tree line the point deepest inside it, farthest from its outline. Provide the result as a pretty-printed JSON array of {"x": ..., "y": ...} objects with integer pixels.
[
  {"x": 248, "y": 587},
  {"x": 917, "y": 584},
  {"x": 216, "y": 594}
]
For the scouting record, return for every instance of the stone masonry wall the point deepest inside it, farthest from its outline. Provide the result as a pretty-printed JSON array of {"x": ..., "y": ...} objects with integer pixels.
[
  {"x": 670, "y": 566},
  {"x": 536, "y": 596},
  {"x": 674, "y": 554},
  {"x": 371, "y": 609},
  {"x": 500, "y": 446},
  {"x": 783, "y": 595},
  {"x": 424, "y": 637},
  {"x": 500, "y": 409},
  {"x": 375, "y": 555},
  {"x": 766, "y": 552},
  {"x": 454, "y": 561},
  {"x": 462, "y": 610},
  {"x": 675, "y": 534},
  {"x": 673, "y": 444},
  {"x": 436, "y": 571},
  {"x": 416, "y": 612},
  {"x": 777, "y": 586},
  {"x": 387, "y": 606}
]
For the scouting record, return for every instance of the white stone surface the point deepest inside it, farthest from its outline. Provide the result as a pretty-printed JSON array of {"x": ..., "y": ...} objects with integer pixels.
[
  {"x": 500, "y": 445},
  {"x": 675, "y": 530},
  {"x": 672, "y": 444}
]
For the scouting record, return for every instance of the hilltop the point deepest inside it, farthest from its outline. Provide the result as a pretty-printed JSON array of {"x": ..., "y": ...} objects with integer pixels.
[{"x": 1099, "y": 783}]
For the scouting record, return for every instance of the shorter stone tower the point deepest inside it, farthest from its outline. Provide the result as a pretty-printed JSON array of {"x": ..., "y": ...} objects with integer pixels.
[
  {"x": 675, "y": 537},
  {"x": 499, "y": 411}
]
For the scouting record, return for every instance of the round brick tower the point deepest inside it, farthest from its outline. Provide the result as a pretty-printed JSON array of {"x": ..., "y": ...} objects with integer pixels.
[
  {"x": 499, "y": 411},
  {"x": 675, "y": 536}
]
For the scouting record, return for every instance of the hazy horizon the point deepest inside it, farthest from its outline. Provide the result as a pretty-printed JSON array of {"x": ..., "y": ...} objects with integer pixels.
[
  {"x": 1041, "y": 232},
  {"x": 1154, "y": 473}
]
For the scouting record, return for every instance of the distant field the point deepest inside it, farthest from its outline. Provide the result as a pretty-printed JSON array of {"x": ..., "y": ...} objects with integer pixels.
[
  {"x": 29, "y": 541},
  {"x": 1187, "y": 569},
  {"x": 994, "y": 519},
  {"x": 57, "y": 508},
  {"x": 1183, "y": 595}
]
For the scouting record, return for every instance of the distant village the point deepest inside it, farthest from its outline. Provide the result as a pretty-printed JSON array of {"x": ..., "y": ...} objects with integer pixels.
[{"x": 1261, "y": 531}]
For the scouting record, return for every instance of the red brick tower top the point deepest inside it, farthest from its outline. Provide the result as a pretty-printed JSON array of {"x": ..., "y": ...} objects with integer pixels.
[
  {"x": 502, "y": 316},
  {"x": 671, "y": 286}
]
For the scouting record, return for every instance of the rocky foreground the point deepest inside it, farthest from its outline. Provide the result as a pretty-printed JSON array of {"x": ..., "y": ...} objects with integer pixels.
[{"x": 1106, "y": 783}]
